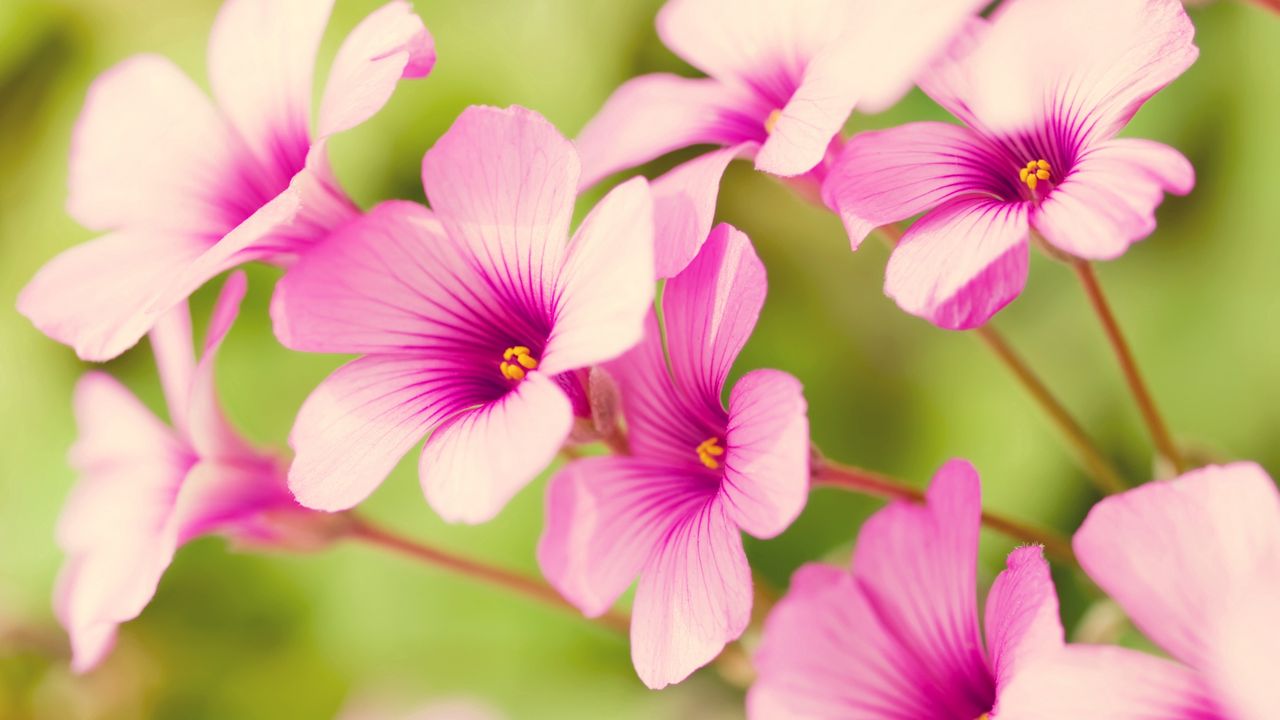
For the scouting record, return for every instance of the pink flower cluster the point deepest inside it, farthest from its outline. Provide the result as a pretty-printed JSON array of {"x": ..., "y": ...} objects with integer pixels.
[{"x": 490, "y": 332}]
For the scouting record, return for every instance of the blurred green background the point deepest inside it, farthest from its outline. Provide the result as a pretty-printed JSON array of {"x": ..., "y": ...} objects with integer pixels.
[{"x": 252, "y": 636}]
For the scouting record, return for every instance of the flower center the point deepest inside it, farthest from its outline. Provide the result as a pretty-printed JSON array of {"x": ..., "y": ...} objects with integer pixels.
[
  {"x": 771, "y": 121},
  {"x": 708, "y": 450},
  {"x": 1034, "y": 172},
  {"x": 515, "y": 361}
]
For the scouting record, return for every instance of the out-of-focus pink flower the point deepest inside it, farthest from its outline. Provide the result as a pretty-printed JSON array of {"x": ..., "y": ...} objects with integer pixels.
[
  {"x": 1195, "y": 561},
  {"x": 1042, "y": 88},
  {"x": 673, "y": 510},
  {"x": 898, "y": 637},
  {"x": 783, "y": 78},
  {"x": 185, "y": 188},
  {"x": 476, "y": 319},
  {"x": 146, "y": 488}
]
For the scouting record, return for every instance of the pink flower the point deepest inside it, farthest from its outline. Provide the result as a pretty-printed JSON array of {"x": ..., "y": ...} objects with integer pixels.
[
  {"x": 898, "y": 637},
  {"x": 1196, "y": 563},
  {"x": 783, "y": 78},
  {"x": 185, "y": 189},
  {"x": 145, "y": 488},
  {"x": 1042, "y": 88},
  {"x": 672, "y": 511},
  {"x": 473, "y": 319}
]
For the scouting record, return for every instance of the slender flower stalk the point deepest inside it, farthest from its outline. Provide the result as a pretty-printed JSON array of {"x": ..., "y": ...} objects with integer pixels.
[
  {"x": 1132, "y": 375},
  {"x": 869, "y": 482},
  {"x": 367, "y": 532},
  {"x": 1101, "y": 471}
]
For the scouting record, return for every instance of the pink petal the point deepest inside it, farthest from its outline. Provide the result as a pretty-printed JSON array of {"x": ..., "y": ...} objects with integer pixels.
[
  {"x": 662, "y": 421},
  {"x": 709, "y": 311},
  {"x": 223, "y": 497},
  {"x": 824, "y": 655},
  {"x": 149, "y": 151},
  {"x": 607, "y": 285},
  {"x": 389, "y": 44},
  {"x": 206, "y": 425},
  {"x": 100, "y": 297},
  {"x": 766, "y": 464},
  {"x": 504, "y": 181},
  {"x": 479, "y": 459},
  {"x": 884, "y": 176},
  {"x": 1109, "y": 200},
  {"x": 684, "y": 201},
  {"x": 262, "y": 54},
  {"x": 961, "y": 263},
  {"x": 652, "y": 115},
  {"x": 693, "y": 598},
  {"x": 355, "y": 427},
  {"x": 606, "y": 516},
  {"x": 175, "y": 360},
  {"x": 1095, "y": 63},
  {"x": 1246, "y": 651},
  {"x": 1022, "y": 615},
  {"x": 918, "y": 566},
  {"x": 390, "y": 281},
  {"x": 115, "y": 527},
  {"x": 753, "y": 43},
  {"x": 1176, "y": 554},
  {"x": 1106, "y": 683}
]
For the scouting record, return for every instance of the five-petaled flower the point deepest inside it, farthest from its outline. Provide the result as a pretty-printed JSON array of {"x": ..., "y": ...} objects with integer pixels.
[
  {"x": 783, "y": 79},
  {"x": 185, "y": 189},
  {"x": 1195, "y": 561},
  {"x": 476, "y": 319},
  {"x": 1042, "y": 88},
  {"x": 145, "y": 489},
  {"x": 698, "y": 475},
  {"x": 898, "y": 636}
]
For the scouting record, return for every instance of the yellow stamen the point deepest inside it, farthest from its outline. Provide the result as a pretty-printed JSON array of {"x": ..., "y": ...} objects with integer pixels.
[
  {"x": 1034, "y": 172},
  {"x": 708, "y": 450},
  {"x": 515, "y": 361},
  {"x": 771, "y": 121}
]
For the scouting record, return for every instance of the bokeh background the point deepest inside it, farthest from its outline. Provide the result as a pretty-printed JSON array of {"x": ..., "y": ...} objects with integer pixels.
[{"x": 234, "y": 635}]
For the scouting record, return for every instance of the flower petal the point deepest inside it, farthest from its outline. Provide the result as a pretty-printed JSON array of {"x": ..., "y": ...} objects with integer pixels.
[
  {"x": 150, "y": 152},
  {"x": 684, "y": 207},
  {"x": 389, "y": 44},
  {"x": 1086, "y": 65},
  {"x": 606, "y": 516},
  {"x": 693, "y": 598},
  {"x": 1177, "y": 553},
  {"x": 766, "y": 468},
  {"x": 1246, "y": 651},
  {"x": 884, "y": 176},
  {"x": 825, "y": 655},
  {"x": 961, "y": 263},
  {"x": 607, "y": 285},
  {"x": 662, "y": 422},
  {"x": 1109, "y": 200},
  {"x": 354, "y": 428},
  {"x": 503, "y": 181},
  {"x": 652, "y": 115},
  {"x": 917, "y": 566},
  {"x": 709, "y": 311},
  {"x": 1106, "y": 683},
  {"x": 262, "y": 55},
  {"x": 206, "y": 425},
  {"x": 388, "y": 282},
  {"x": 175, "y": 361},
  {"x": 101, "y": 313},
  {"x": 1022, "y": 615},
  {"x": 753, "y": 43},
  {"x": 115, "y": 528},
  {"x": 476, "y": 461}
]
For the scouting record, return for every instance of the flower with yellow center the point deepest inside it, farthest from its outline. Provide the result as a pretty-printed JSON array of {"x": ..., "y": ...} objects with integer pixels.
[{"x": 515, "y": 361}]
